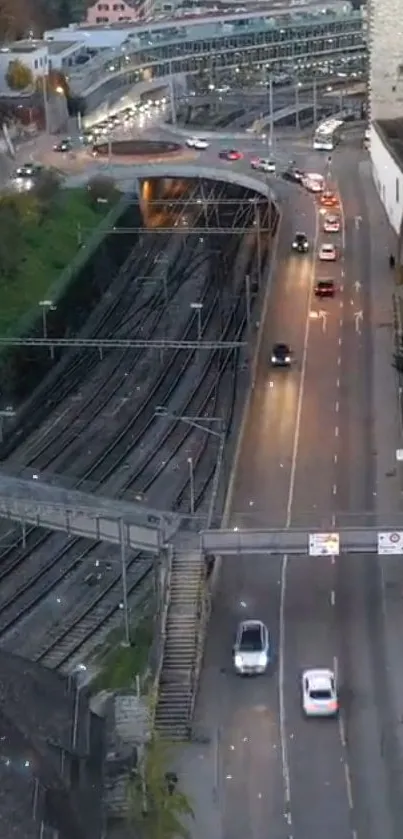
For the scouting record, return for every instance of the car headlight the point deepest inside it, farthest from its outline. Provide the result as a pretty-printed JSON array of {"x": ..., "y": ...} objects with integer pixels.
[
  {"x": 273, "y": 359},
  {"x": 287, "y": 359},
  {"x": 262, "y": 660},
  {"x": 294, "y": 244},
  {"x": 305, "y": 246},
  {"x": 238, "y": 662}
]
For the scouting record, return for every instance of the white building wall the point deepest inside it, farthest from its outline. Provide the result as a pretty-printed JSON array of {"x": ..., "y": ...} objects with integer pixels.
[
  {"x": 36, "y": 60},
  {"x": 388, "y": 180}
]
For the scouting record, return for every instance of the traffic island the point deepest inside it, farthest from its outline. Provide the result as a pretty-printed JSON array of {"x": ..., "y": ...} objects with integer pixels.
[{"x": 137, "y": 151}]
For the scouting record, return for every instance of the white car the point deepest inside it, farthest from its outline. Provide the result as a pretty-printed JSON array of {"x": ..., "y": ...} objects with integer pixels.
[
  {"x": 331, "y": 224},
  {"x": 264, "y": 165},
  {"x": 197, "y": 143},
  {"x": 319, "y": 693},
  {"x": 327, "y": 253},
  {"x": 252, "y": 648},
  {"x": 313, "y": 182}
]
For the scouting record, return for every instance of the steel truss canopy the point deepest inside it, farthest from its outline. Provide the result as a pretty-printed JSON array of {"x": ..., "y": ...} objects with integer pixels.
[
  {"x": 89, "y": 516},
  {"x": 294, "y": 541}
]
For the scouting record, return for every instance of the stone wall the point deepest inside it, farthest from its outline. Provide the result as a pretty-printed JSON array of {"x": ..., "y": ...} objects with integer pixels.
[{"x": 385, "y": 20}]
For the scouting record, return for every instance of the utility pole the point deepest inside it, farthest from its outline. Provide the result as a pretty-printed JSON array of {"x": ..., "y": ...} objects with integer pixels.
[
  {"x": 259, "y": 244},
  {"x": 315, "y": 103},
  {"x": 45, "y": 104},
  {"x": 297, "y": 125},
  {"x": 122, "y": 536},
  {"x": 248, "y": 306},
  {"x": 271, "y": 114},
  {"x": 8, "y": 413},
  {"x": 191, "y": 486},
  {"x": 172, "y": 94}
]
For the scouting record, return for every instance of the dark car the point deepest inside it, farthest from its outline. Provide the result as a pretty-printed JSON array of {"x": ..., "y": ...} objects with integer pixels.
[
  {"x": 230, "y": 154},
  {"x": 28, "y": 170},
  {"x": 293, "y": 175},
  {"x": 281, "y": 355},
  {"x": 325, "y": 288},
  {"x": 63, "y": 146},
  {"x": 300, "y": 243}
]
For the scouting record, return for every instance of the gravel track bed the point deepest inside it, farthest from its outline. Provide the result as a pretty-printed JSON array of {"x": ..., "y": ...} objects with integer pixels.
[{"x": 55, "y": 611}]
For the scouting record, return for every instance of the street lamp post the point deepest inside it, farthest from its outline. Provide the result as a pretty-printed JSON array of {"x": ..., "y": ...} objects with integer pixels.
[
  {"x": 7, "y": 413},
  {"x": 45, "y": 104},
  {"x": 172, "y": 93},
  {"x": 315, "y": 103},
  {"x": 197, "y": 307},
  {"x": 125, "y": 603},
  {"x": 202, "y": 424},
  {"x": 46, "y": 306},
  {"x": 297, "y": 123},
  {"x": 271, "y": 114},
  {"x": 248, "y": 306},
  {"x": 192, "y": 486}
]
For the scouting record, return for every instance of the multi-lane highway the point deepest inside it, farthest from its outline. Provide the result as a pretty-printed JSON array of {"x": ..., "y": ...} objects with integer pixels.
[{"x": 306, "y": 456}]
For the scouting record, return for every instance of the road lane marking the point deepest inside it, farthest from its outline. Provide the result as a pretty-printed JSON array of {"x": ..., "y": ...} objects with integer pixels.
[
  {"x": 339, "y": 361},
  {"x": 340, "y": 341},
  {"x": 335, "y": 457},
  {"x": 337, "y": 406},
  {"x": 338, "y": 383},
  {"x": 284, "y": 564},
  {"x": 336, "y": 431},
  {"x": 348, "y": 785},
  {"x": 342, "y": 732},
  {"x": 335, "y": 668},
  {"x": 332, "y": 597},
  {"x": 334, "y": 489}
]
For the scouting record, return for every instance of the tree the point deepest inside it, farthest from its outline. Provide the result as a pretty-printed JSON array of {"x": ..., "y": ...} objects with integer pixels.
[
  {"x": 102, "y": 190},
  {"x": 157, "y": 808},
  {"x": 18, "y": 76},
  {"x": 47, "y": 188},
  {"x": 10, "y": 242}
]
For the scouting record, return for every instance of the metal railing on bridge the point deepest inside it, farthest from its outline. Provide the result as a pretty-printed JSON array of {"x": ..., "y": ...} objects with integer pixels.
[{"x": 300, "y": 541}]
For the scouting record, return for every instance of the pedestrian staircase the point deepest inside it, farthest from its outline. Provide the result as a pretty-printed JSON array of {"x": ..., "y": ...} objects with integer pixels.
[{"x": 181, "y": 655}]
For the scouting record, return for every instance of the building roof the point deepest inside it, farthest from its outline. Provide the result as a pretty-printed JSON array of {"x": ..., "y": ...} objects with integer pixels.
[
  {"x": 42, "y": 718},
  {"x": 26, "y": 46},
  {"x": 391, "y": 131}
]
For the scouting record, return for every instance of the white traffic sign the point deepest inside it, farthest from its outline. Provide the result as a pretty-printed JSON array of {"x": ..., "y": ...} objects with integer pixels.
[
  {"x": 324, "y": 544},
  {"x": 399, "y": 454},
  {"x": 390, "y": 543}
]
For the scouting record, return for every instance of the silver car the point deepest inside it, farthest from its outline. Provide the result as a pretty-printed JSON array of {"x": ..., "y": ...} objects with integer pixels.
[{"x": 252, "y": 648}]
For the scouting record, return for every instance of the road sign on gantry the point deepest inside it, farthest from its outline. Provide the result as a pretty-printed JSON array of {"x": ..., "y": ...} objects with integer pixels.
[
  {"x": 390, "y": 543},
  {"x": 324, "y": 544}
]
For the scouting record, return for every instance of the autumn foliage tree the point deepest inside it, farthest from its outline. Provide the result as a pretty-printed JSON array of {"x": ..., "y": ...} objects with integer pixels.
[
  {"x": 157, "y": 807},
  {"x": 18, "y": 76}
]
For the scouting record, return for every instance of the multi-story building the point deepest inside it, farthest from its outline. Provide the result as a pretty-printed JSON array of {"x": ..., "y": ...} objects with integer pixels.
[
  {"x": 386, "y": 107},
  {"x": 118, "y": 11}
]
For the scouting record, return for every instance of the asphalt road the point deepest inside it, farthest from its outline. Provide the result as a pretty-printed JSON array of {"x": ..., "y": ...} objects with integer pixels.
[{"x": 306, "y": 459}]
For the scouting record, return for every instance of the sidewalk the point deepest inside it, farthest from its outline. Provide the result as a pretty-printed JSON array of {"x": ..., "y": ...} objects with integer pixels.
[
  {"x": 389, "y": 474},
  {"x": 195, "y": 767}
]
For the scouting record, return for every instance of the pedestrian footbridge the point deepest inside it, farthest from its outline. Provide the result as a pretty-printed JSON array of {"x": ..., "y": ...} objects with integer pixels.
[{"x": 37, "y": 504}]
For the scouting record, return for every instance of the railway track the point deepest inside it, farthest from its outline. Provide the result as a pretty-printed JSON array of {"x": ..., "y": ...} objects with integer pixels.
[{"x": 95, "y": 611}]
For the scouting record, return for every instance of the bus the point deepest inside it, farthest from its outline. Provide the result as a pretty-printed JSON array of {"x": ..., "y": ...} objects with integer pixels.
[{"x": 327, "y": 135}]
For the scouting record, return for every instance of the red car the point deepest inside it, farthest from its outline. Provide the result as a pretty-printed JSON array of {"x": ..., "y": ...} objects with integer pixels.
[
  {"x": 328, "y": 199},
  {"x": 325, "y": 288},
  {"x": 230, "y": 154}
]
